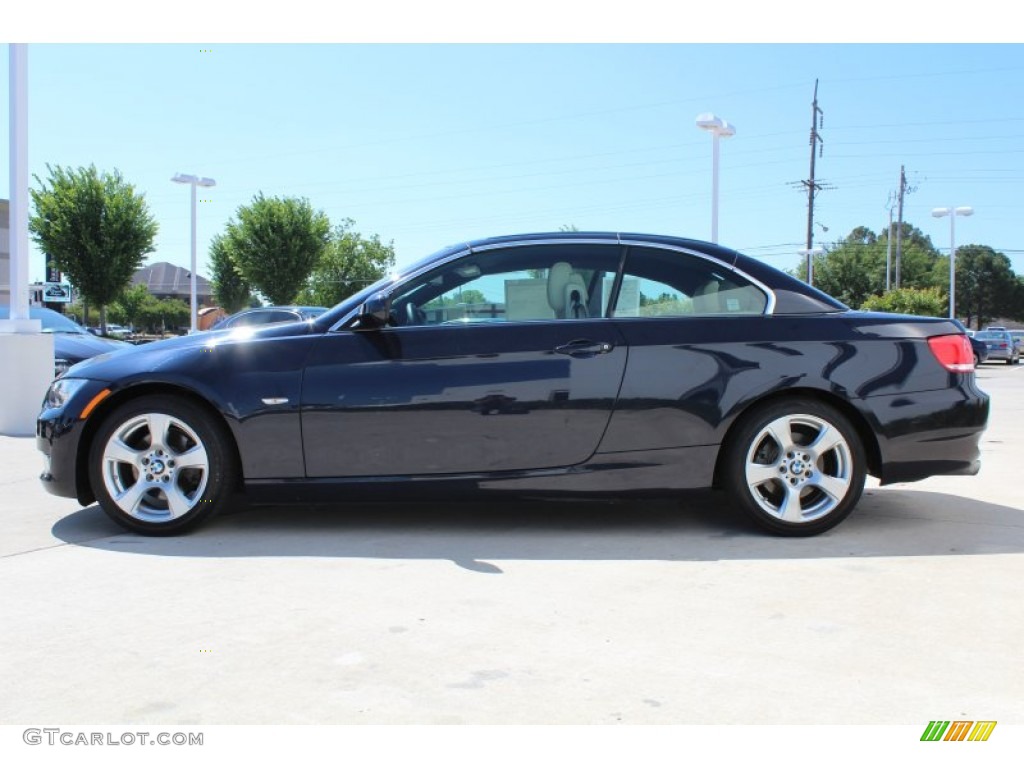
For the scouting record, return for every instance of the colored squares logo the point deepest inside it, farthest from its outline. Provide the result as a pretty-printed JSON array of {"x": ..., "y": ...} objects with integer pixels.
[{"x": 958, "y": 730}]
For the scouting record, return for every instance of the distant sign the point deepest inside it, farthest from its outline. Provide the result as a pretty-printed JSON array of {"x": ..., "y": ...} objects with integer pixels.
[
  {"x": 53, "y": 274},
  {"x": 56, "y": 293}
]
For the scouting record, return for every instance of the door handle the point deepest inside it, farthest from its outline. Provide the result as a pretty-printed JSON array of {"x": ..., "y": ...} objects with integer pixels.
[{"x": 584, "y": 348}]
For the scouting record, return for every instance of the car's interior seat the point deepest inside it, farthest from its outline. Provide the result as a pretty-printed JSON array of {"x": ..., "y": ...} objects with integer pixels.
[
  {"x": 567, "y": 292},
  {"x": 706, "y": 299}
]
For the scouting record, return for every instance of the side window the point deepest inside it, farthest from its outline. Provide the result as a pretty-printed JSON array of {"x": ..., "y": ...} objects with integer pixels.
[
  {"x": 281, "y": 316},
  {"x": 535, "y": 282},
  {"x": 662, "y": 283},
  {"x": 252, "y": 318}
]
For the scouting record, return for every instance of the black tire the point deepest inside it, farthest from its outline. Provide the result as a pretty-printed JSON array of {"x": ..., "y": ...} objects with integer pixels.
[
  {"x": 792, "y": 489},
  {"x": 166, "y": 486}
]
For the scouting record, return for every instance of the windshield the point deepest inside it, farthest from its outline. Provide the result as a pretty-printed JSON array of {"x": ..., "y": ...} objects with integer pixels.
[
  {"x": 338, "y": 311},
  {"x": 55, "y": 322},
  {"x": 991, "y": 336}
]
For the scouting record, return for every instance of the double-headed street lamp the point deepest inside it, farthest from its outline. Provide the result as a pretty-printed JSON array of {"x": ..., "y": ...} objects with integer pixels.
[
  {"x": 194, "y": 181},
  {"x": 719, "y": 129},
  {"x": 963, "y": 210}
]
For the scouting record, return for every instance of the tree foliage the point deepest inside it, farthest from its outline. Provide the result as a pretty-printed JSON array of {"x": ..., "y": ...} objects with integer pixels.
[
  {"x": 349, "y": 263},
  {"x": 929, "y": 302},
  {"x": 986, "y": 286},
  {"x": 230, "y": 289},
  {"x": 460, "y": 297},
  {"x": 144, "y": 312},
  {"x": 275, "y": 244},
  {"x": 95, "y": 229},
  {"x": 127, "y": 309},
  {"x": 852, "y": 269}
]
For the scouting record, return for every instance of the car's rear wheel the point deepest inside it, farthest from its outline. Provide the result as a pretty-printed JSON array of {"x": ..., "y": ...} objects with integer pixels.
[
  {"x": 797, "y": 467},
  {"x": 160, "y": 465}
]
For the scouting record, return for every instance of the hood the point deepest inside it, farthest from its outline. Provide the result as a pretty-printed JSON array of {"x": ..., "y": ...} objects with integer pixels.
[
  {"x": 160, "y": 355},
  {"x": 79, "y": 346}
]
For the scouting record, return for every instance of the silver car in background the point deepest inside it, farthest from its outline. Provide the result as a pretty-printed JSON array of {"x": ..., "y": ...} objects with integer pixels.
[{"x": 1001, "y": 345}]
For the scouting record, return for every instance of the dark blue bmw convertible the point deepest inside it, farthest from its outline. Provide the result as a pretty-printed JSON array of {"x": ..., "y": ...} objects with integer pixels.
[{"x": 554, "y": 365}]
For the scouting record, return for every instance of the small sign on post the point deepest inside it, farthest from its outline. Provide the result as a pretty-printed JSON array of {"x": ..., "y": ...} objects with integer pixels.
[{"x": 57, "y": 293}]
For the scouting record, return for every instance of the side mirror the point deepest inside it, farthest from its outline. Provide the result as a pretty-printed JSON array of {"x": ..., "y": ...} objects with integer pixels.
[{"x": 374, "y": 313}]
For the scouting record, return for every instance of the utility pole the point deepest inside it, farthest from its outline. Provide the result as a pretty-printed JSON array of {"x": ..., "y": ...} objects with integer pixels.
[
  {"x": 899, "y": 226},
  {"x": 811, "y": 185},
  {"x": 888, "y": 253}
]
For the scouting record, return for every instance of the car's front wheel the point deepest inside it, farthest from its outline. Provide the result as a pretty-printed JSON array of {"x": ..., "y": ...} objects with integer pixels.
[
  {"x": 797, "y": 467},
  {"x": 160, "y": 465}
]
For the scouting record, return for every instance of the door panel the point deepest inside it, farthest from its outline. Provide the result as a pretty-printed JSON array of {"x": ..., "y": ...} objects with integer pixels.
[{"x": 487, "y": 397}]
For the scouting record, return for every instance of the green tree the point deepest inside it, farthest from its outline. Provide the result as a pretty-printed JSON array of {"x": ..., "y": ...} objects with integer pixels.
[
  {"x": 930, "y": 302},
  {"x": 127, "y": 309},
  {"x": 852, "y": 269},
  {"x": 230, "y": 289},
  {"x": 94, "y": 227},
  {"x": 348, "y": 264},
  {"x": 919, "y": 261},
  {"x": 986, "y": 286},
  {"x": 164, "y": 314},
  {"x": 276, "y": 243},
  {"x": 77, "y": 311},
  {"x": 471, "y": 296}
]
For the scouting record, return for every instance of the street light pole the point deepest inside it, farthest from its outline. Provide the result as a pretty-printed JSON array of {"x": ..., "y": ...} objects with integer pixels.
[
  {"x": 719, "y": 129},
  {"x": 810, "y": 253},
  {"x": 963, "y": 210},
  {"x": 193, "y": 181}
]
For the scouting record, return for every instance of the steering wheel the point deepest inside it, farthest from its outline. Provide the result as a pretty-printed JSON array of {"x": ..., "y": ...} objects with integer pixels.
[{"x": 414, "y": 315}]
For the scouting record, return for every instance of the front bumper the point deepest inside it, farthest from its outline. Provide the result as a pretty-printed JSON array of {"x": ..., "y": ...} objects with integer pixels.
[
  {"x": 59, "y": 440},
  {"x": 59, "y": 436}
]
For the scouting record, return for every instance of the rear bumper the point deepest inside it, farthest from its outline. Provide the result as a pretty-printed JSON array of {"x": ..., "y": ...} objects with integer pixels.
[{"x": 931, "y": 433}]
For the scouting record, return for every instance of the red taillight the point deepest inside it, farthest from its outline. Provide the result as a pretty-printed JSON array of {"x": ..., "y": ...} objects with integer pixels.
[
  {"x": 1002, "y": 345},
  {"x": 954, "y": 353}
]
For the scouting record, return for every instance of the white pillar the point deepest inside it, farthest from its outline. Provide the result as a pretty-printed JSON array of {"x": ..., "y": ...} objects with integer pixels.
[
  {"x": 952, "y": 262},
  {"x": 192, "y": 288},
  {"x": 26, "y": 354},
  {"x": 714, "y": 187},
  {"x": 19, "y": 183}
]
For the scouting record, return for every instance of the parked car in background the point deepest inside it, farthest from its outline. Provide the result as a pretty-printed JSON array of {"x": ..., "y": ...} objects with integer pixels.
[
  {"x": 611, "y": 365},
  {"x": 1001, "y": 346},
  {"x": 1018, "y": 336},
  {"x": 118, "y": 331},
  {"x": 71, "y": 342},
  {"x": 980, "y": 348},
  {"x": 267, "y": 315},
  {"x": 113, "y": 331}
]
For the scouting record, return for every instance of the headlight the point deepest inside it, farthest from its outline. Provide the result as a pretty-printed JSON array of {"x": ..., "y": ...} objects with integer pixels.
[{"x": 61, "y": 391}]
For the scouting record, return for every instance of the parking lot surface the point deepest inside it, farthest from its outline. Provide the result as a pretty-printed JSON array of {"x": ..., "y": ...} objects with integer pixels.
[{"x": 528, "y": 612}]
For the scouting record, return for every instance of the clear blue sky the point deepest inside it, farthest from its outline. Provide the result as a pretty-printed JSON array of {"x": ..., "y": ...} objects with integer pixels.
[{"x": 427, "y": 145}]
